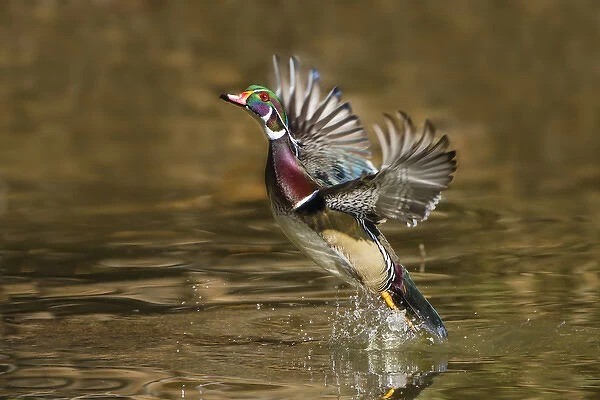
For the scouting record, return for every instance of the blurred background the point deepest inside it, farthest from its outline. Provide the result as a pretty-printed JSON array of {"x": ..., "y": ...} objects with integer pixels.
[
  {"x": 126, "y": 92},
  {"x": 130, "y": 195}
]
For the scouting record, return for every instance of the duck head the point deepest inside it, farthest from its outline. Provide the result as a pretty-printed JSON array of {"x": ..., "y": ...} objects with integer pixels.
[{"x": 264, "y": 105}]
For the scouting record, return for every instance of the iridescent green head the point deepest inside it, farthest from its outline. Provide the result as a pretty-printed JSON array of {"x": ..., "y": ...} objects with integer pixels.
[{"x": 265, "y": 106}]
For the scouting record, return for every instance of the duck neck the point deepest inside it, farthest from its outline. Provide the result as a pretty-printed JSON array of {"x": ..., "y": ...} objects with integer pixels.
[{"x": 287, "y": 180}]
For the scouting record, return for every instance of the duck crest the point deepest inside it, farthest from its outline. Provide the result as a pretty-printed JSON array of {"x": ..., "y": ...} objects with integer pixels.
[{"x": 287, "y": 180}]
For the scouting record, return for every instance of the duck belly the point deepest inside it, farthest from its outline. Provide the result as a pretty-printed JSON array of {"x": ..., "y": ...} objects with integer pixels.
[{"x": 340, "y": 245}]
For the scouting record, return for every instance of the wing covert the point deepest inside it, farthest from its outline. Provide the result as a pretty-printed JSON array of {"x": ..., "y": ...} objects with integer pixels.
[{"x": 333, "y": 146}]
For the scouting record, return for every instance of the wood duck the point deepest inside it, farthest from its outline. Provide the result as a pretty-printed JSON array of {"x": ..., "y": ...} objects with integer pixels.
[{"x": 327, "y": 196}]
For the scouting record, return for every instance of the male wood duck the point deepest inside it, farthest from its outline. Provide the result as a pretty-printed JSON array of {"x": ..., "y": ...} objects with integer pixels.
[{"x": 329, "y": 199}]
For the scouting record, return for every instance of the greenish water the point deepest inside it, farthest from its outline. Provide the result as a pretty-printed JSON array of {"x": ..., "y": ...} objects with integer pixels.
[{"x": 138, "y": 256}]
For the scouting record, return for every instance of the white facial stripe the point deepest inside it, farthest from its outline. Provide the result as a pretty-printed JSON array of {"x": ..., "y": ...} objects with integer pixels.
[
  {"x": 271, "y": 134},
  {"x": 268, "y": 115},
  {"x": 279, "y": 116}
]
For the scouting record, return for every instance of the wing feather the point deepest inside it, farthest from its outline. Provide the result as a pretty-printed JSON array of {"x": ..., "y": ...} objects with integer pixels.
[
  {"x": 333, "y": 146},
  {"x": 415, "y": 169}
]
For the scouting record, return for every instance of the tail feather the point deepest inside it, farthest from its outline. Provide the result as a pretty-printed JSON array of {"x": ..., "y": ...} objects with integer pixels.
[{"x": 408, "y": 295}]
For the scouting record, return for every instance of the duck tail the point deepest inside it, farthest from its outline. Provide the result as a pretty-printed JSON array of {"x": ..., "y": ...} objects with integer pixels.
[{"x": 405, "y": 294}]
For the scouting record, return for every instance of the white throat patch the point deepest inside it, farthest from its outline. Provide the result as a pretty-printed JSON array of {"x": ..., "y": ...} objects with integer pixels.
[{"x": 273, "y": 135}]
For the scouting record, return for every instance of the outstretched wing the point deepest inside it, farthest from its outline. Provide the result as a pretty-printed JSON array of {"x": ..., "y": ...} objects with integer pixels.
[
  {"x": 415, "y": 169},
  {"x": 333, "y": 146}
]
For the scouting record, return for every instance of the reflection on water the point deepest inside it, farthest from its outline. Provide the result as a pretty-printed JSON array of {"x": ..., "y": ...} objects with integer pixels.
[
  {"x": 246, "y": 316},
  {"x": 138, "y": 256}
]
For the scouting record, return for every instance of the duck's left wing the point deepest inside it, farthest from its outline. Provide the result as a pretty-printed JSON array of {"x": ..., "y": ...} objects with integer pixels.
[{"x": 332, "y": 144}]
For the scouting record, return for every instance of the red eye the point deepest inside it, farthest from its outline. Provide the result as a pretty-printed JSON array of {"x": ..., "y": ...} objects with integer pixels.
[{"x": 264, "y": 96}]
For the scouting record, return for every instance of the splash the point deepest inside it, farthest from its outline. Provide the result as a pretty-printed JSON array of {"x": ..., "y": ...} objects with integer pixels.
[
  {"x": 364, "y": 322},
  {"x": 374, "y": 354}
]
